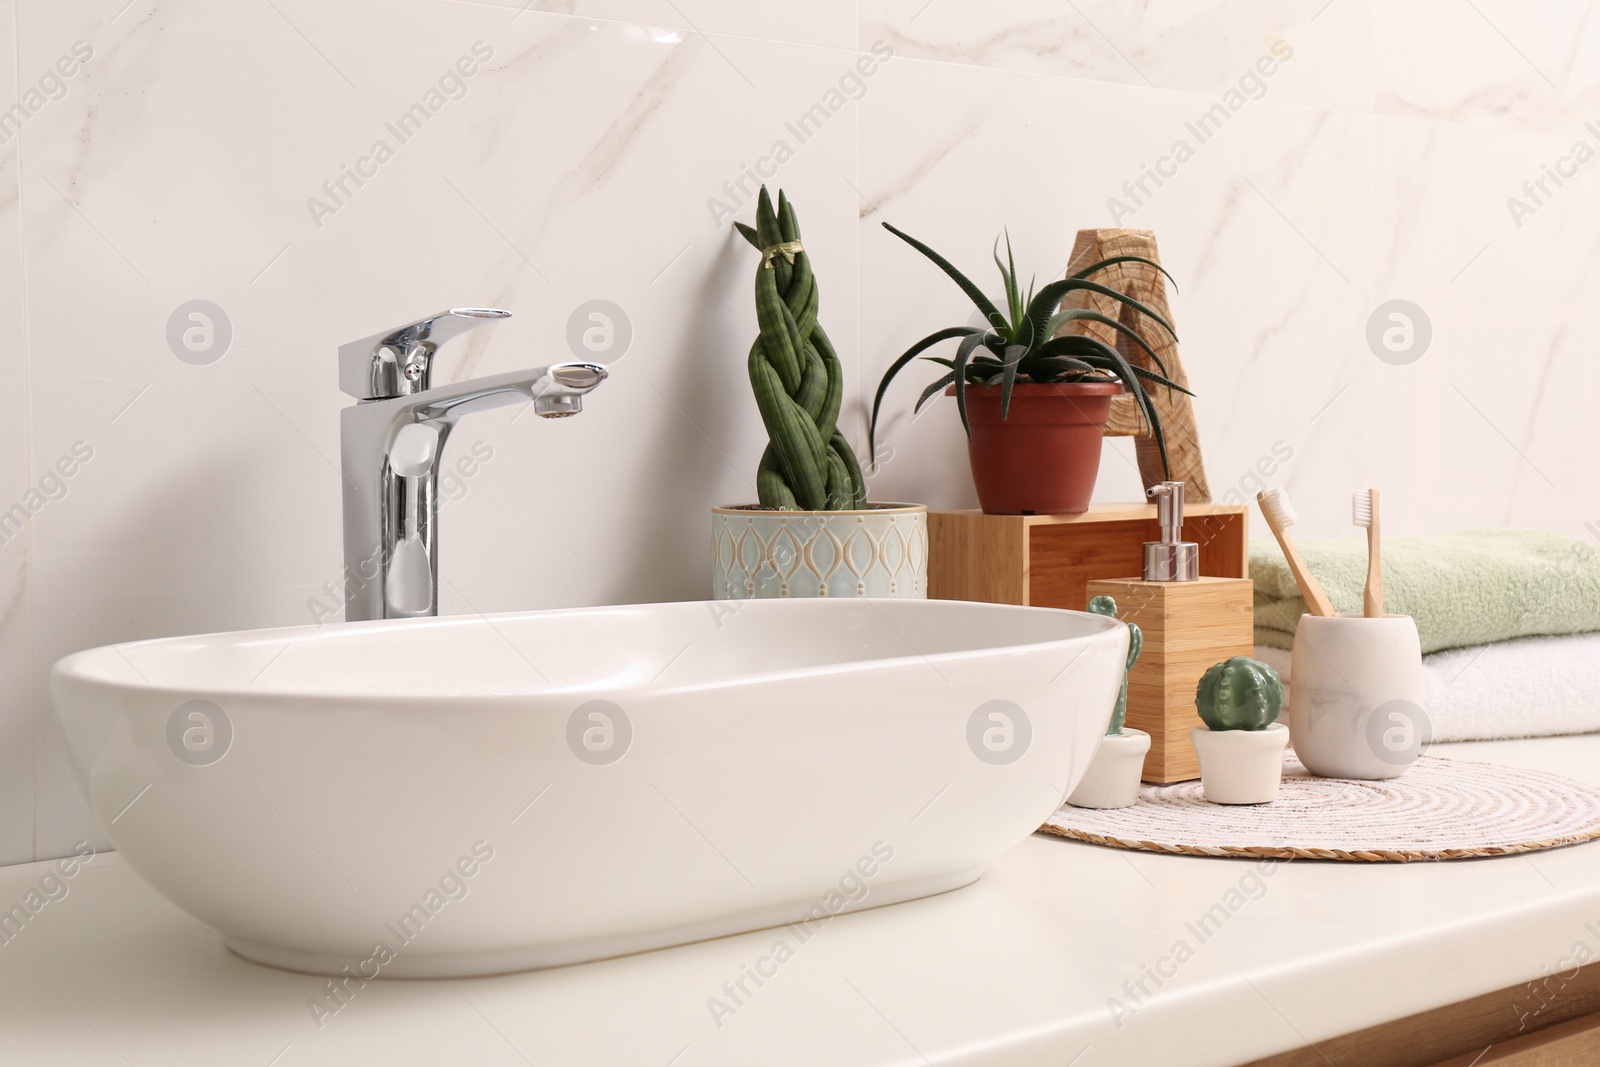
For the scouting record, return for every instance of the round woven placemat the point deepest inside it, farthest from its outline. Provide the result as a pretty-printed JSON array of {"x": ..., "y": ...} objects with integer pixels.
[{"x": 1440, "y": 809}]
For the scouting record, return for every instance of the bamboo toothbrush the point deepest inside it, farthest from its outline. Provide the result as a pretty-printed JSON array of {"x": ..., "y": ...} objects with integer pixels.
[
  {"x": 1364, "y": 512},
  {"x": 1280, "y": 516}
]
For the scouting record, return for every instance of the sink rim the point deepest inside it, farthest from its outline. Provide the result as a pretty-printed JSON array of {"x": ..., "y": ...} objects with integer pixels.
[{"x": 86, "y": 667}]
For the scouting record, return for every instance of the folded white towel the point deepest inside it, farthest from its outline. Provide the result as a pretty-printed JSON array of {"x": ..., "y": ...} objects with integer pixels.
[{"x": 1530, "y": 687}]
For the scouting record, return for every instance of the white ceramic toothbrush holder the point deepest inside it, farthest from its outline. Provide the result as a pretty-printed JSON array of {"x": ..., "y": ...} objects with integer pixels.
[{"x": 1355, "y": 696}]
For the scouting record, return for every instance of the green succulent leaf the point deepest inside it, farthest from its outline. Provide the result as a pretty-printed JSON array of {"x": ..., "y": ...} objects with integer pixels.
[
  {"x": 769, "y": 233},
  {"x": 1152, "y": 376},
  {"x": 977, "y": 361},
  {"x": 900, "y": 364},
  {"x": 841, "y": 490},
  {"x": 1061, "y": 318},
  {"x": 1095, "y": 268},
  {"x": 1075, "y": 344},
  {"x": 780, "y": 335},
  {"x": 1055, "y": 368},
  {"x": 771, "y": 489},
  {"x": 991, "y": 313},
  {"x": 1009, "y": 279},
  {"x": 1093, "y": 350},
  {"x": 1008, "y": 377},
  {"x": 813, "y": 391},
  {"x": 1044, "y": 305},
  {"x": 963, "y": 353},
  {"x": 802, "y": 466},
  {"x": 929, "y": 393},
  {"x": 842, "y": 449}
]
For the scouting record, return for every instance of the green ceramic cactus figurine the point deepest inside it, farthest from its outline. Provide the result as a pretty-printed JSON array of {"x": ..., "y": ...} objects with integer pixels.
[
  {"x": 1107, "y": 606},
  {"x": 1239, "y": 694}
]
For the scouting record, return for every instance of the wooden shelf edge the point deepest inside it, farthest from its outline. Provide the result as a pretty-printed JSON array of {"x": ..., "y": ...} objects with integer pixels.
[{"x": 1107, "y": 513}]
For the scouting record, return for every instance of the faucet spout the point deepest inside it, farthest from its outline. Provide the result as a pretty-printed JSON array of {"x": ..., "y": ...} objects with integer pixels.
[
  {"x": 390, "y": 449},
  {"x": 559, "y": 381}
]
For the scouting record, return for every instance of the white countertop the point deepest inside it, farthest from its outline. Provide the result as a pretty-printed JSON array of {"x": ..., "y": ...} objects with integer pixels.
[{"x": 1016, "y": 969}]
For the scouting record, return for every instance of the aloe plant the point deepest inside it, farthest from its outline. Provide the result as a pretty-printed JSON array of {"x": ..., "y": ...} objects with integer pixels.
[
  {"x": 1239, "y": 694},
  {"x": 1019, "y": 342},
  {"x": 1107, "y": 606},
  {"x": 796, "y": 376}
]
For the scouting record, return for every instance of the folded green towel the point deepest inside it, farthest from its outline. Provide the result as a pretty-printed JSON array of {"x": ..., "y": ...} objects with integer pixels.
[{"x": 1471, "y": 588}]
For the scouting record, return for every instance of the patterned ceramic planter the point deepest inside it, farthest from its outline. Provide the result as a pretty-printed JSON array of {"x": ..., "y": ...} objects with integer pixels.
[{"x": 879, "y": 551}]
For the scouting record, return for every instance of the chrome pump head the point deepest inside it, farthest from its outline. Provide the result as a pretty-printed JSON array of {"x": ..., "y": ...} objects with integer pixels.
[{"x": 1170, "y": 559}]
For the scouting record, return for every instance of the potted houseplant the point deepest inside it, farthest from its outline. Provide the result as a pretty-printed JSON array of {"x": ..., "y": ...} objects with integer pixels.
[
  {"x": 1112, "y": 780},
  {"x": 813, "y": 533},
  {"x": 1241, "y": 744},
  {"x": 1035, "y": 405}
]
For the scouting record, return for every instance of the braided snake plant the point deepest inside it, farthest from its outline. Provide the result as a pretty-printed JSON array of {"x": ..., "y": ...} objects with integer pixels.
[
  {"x": 1019, "y": 343},
  {"x": 795, "y": 373}
]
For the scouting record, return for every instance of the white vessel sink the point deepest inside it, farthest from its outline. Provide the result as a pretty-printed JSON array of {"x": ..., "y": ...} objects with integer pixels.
[{"x": 472, "y": 795}]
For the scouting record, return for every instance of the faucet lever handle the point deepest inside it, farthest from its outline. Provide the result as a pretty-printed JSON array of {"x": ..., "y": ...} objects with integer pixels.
[{"x": 399, "y": 362}]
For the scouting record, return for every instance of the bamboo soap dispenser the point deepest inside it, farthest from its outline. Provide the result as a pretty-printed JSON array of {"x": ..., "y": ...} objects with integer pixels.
[{"x": 1190, "y": 622}]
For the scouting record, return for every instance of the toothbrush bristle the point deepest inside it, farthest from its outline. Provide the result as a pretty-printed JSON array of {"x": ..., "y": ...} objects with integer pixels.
[
  {"x": 1275, "y": 502},
  {"x": 1361, "y": 507}
]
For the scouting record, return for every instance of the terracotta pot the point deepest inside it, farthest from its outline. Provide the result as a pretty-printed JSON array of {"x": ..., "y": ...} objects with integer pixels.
[{"x": 1044, "y": 457}]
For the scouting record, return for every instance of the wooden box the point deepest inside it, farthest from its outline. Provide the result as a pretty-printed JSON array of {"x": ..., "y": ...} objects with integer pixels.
[
  {"x": 1188, "y": 627},
  {"x": 1049, "y": 560}
]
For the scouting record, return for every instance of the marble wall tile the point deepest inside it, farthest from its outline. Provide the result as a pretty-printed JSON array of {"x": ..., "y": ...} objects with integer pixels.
[
  {"x": 830, "y": 23},
  {"x": 1168, "y": 44},
  {"x": 1491, "y": 411},
  {"x": 1521, "y": 66},
  {"x": 17, "y": 478}
]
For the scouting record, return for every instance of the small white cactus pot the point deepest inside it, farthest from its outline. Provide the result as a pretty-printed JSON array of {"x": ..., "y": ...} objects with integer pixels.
[{"x": 1112, "y": 780}]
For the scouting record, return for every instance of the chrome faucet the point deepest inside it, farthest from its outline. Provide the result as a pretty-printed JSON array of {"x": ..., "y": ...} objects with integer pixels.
[{"x": 391, "y": 443}]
